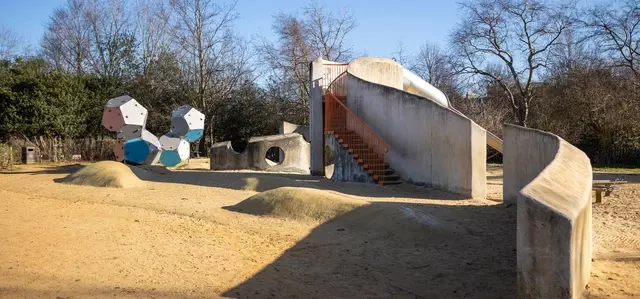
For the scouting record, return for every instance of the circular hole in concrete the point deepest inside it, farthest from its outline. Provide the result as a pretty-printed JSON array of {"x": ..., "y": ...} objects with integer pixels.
[
  {"x": 274, "y": 156},
  {"x": 328, "y": 161},
  {"x": 239, "y": 146}
]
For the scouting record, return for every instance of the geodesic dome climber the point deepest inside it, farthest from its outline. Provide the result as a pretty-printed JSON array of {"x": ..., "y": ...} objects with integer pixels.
[
  {"x": 125, "y": 116},
  {"x": 174, "y": 149},
  {"x": 187, "y": 123},
  {"x": 134, "y": 144}
]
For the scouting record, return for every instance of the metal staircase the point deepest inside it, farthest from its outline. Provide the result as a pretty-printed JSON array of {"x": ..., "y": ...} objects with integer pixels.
[{"x": 357, "y": 138}]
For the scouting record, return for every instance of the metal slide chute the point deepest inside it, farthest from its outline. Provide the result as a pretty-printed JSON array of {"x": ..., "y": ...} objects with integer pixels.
[{"x": 412, "y": 83}]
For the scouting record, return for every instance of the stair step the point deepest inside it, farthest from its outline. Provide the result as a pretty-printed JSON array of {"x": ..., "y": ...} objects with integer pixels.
[
  {"x": 391, "y": 177},
  {"x": 366, "y": 156},
  {"x": 385, "y": 183}
]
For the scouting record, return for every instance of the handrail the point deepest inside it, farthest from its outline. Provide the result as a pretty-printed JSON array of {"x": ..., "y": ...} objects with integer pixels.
[
  {"x": 367, "y": 148},
  {"x": 335, "y": 79},
  {"x": 386, "y": 148}
]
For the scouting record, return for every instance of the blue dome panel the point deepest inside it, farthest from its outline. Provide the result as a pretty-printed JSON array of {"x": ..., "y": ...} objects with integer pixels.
[
  {"x": 136, "y": 150},
  {"x": 170, "y": 158},
  {"x": 193, "y": 135}
]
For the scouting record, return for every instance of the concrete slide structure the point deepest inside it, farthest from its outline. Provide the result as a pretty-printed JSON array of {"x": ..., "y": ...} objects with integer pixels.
[
  {"x": 550, "y": 180},
  {"x": 293, "y": 156},
  {"x": 428, "y": 143},
  {"x": 412, "y": 83}
]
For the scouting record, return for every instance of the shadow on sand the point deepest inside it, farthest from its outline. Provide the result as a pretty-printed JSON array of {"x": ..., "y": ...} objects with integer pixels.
[
  {"x": 397, "y": 250},
  {"x": 381, "y": 250},
  {"x": 264, "y": 181}
]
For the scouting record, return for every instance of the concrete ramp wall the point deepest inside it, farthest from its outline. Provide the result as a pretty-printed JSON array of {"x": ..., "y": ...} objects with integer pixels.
[
  {"x": 527, "y": 153},
  {"x": 554, "y": 213},
  {"x": 428, "y": 144},
  {"x": 295, "y": 155}
]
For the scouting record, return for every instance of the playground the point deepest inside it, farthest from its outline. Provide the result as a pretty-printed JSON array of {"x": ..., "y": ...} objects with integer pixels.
[
  {"x": 177, "y": 239},
  {"x": 176, "y": 236}
]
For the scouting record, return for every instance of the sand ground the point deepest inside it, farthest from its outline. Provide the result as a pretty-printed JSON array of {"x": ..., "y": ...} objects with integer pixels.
[{"x": 173, "y": 239}]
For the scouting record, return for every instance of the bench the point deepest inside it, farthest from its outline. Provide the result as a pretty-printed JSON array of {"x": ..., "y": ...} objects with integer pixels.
[{"x": 607, "y": 186}]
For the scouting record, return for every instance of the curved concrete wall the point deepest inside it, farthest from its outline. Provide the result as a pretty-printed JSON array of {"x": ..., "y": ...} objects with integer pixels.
[
  {"x": 383, "y": 71},
  {"x": 428, "y": 144},
  {"x": 526, "y": 154},
  {"x": 554, "y": 213},
  {"x": 295, "y": 148}
]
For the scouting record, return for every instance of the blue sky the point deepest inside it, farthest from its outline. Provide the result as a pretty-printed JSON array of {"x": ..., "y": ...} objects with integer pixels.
[{"x": 382, "y": 24}]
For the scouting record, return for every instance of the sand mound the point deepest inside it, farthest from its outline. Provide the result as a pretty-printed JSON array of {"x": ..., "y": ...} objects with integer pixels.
[
  {"x": 261, "y": 183},
  {"x": 298, "y": 203},
  {"x": 107, "y": 174}
]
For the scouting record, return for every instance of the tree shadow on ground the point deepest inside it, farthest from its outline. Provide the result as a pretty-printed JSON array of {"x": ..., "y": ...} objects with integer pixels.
[
  {"x": 397, "y": 250},
  {"x": 264, "y": 181},
  {"x": 47, "y": 169}
]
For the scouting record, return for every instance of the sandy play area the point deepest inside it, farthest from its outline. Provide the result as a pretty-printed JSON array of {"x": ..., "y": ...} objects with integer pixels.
[
  {"x": 182, "y": 234},
  {"x": 174, "y": 238}
]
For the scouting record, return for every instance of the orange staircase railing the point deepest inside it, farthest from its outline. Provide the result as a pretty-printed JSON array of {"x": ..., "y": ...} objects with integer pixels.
[{"x": 367, "y": 148}]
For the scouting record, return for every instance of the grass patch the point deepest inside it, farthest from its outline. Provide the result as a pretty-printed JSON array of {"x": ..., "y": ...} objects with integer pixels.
[{"x": 617, "y": 169}]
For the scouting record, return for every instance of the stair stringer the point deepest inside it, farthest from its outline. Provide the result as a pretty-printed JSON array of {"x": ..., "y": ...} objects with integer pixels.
[{"x": 346, "y": 168}]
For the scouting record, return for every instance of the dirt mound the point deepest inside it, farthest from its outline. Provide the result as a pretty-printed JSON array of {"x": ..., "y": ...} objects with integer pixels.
[
  {"x": 262, "y": 183},
  {"x": 107, "y": 174},
  {"x": 298, "y": 203}
]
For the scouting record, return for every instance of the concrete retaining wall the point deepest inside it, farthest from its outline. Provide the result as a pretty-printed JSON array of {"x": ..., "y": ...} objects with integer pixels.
[
  {"x": 345, "y": 167},
  {"x": 428, "y": 144},
  {"x": 296, "y": 154},
  {"x": 554, "y": 213}
]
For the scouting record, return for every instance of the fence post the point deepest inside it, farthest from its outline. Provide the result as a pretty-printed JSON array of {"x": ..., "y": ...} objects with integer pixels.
[{"x": 10, "y": 156}]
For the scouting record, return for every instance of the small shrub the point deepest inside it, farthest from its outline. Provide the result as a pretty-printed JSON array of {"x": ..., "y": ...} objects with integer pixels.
[{"x": 6, "y": 156}]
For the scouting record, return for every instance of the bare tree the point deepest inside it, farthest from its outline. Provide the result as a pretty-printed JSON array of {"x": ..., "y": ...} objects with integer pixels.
[
  {"x": 288, "y": 63},
  {"x": 66, "y": 42},
  {"x": 402, "y": 56},
  {"x": 433, "y": 64},
  {"x": 113, "y": 39},
  {"x": 301, "y": 39},
  {"x": 326, "y": 31},
  {"x": 616, "y": 30},
  {"x": 517, "y": 34},
  {"x": 216, "y": 58},
  {"x": 152, "y": 22},
  {"x": 9, "y": 43}
]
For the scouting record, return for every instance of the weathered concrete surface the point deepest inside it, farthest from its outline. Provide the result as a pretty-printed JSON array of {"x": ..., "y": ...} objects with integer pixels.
[
  {"x": 295, "y": 148},
  {"x": 526, "y": 154},
  {"x": 554, "y": 215},
  {"x": 383, "y": 71},
  {"x": 428, "y": 144},
  {"x": 316, "y": 121},
  {"x": 345, "y": 167},
  {"x": 287, "y": 127}
]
